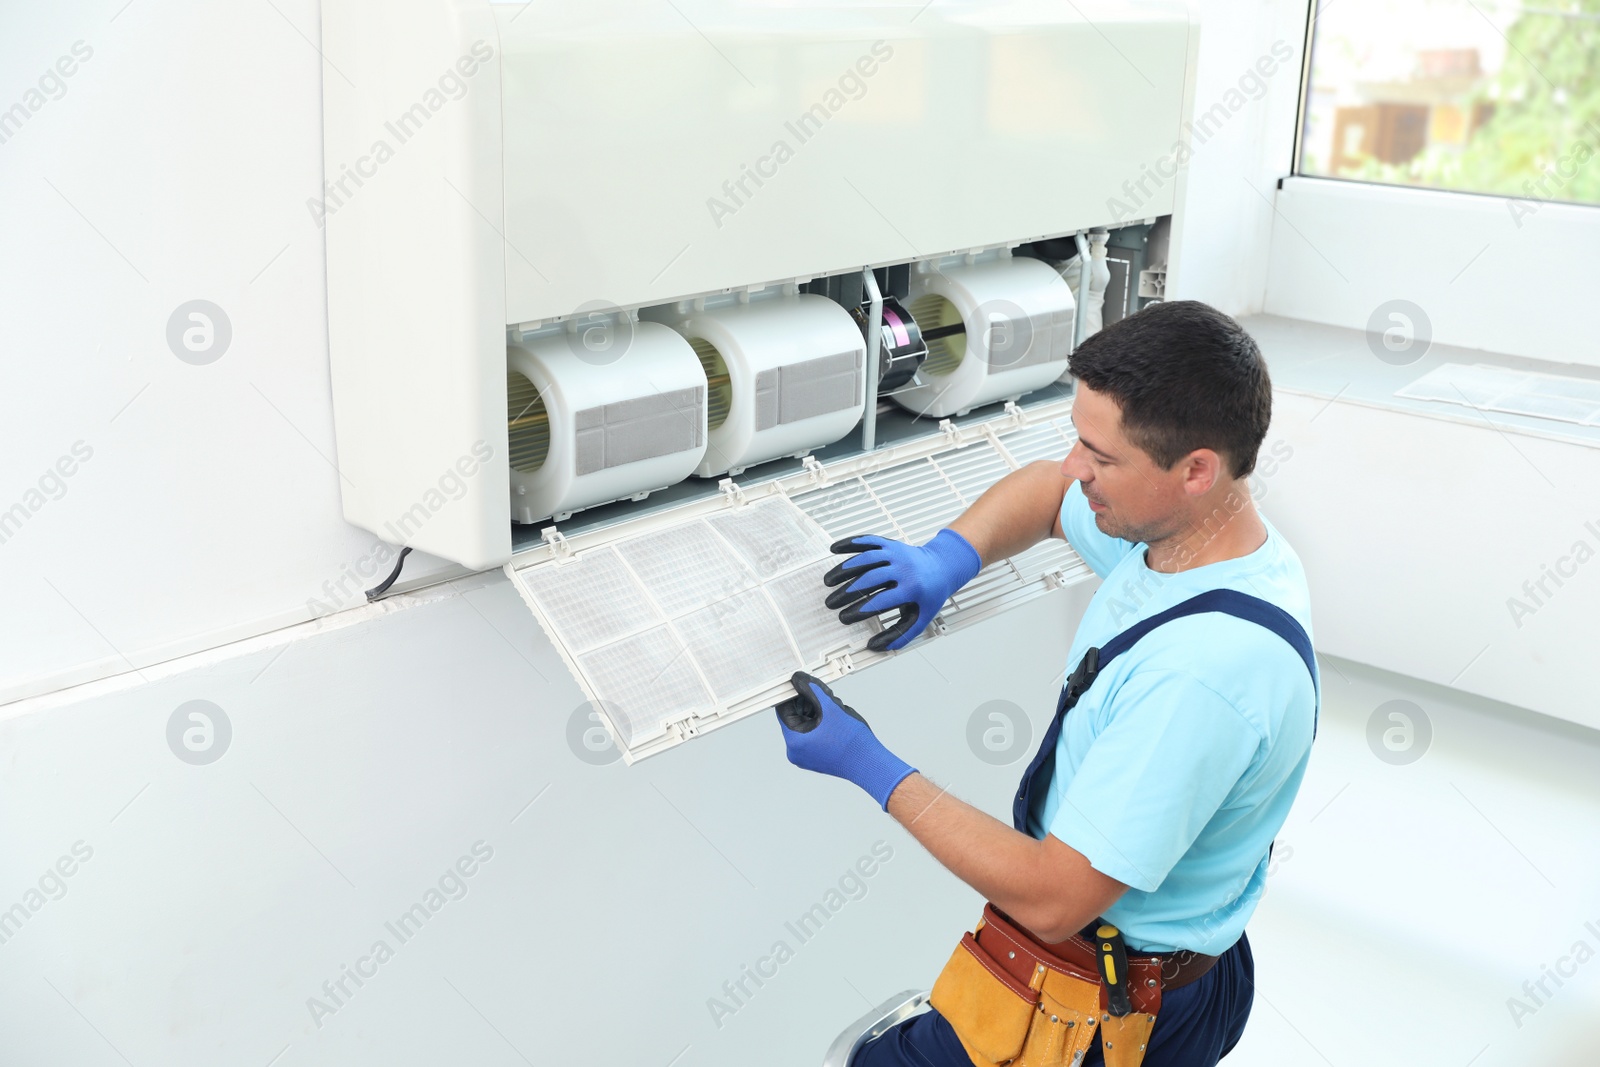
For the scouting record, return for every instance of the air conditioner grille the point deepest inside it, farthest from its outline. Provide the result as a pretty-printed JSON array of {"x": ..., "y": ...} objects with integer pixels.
[
  {"x": 641, "y": 427},
  {"x": 674, "y": 624}
]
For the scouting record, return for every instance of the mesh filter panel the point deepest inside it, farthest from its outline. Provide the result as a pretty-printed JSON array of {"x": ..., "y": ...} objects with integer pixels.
[
  {"x": 707, "y": 618},
  {"x": 594, "y": 598},
  {"x": 1038, "y": 338},
  {"x": 1017, "y": 341},
  {"x": 644, "y": 680},
  {"x": 685, "y": 567},
  {"x": 767, "y": 399},
  {"x": 807, "y": 389},
  {"x": 819, "y": 386},
  {"x": 816, "y": 629},
  {"x": 739, "y": 644},
  {"x": 640, "y": 428},
  {"x": 725, "y": 639},
  {"x": 771, "y": 536}
]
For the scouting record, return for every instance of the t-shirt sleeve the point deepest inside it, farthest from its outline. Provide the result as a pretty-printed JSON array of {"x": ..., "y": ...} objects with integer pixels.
[
  {"x": 1100, "y": 551},
  {"x": 1153, "y": 778}
]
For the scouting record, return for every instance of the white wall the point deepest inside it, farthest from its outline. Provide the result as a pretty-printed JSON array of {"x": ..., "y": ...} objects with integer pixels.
[
  {"x": 1417, "y": 535},
  {"x": 1481, "y": 272},
  {"x": 176, "y": 166},
  {"x": 1239, "y": 154},
  {"x": 220, "y": 897}
]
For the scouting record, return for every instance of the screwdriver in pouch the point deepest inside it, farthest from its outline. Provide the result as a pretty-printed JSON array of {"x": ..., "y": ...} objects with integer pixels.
[{"x": 1113, "y": 957}]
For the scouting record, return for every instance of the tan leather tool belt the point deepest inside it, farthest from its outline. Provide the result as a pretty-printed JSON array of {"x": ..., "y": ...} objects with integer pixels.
[{"x": 1013, "y": 999}]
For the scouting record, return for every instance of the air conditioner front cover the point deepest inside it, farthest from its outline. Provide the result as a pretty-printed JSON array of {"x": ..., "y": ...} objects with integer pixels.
[{"x": 686, "y": 620}]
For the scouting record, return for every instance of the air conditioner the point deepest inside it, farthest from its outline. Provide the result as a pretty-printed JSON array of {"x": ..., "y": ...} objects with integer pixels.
[{"x": 624, "y": 262}]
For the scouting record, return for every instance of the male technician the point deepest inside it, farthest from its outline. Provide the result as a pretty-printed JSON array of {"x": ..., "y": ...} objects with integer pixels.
[{"x": 1155, "y": 806}]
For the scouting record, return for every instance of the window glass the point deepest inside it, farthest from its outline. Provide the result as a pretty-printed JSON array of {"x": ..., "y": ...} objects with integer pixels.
[{"x": 1475, "y": 95}]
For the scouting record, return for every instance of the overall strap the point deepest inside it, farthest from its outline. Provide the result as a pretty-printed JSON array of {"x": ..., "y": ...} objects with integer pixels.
[{"x": 1224, "y": 601}]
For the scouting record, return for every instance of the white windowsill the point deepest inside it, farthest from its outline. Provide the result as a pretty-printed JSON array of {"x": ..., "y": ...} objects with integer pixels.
[{"x": 1314, "y": 359}]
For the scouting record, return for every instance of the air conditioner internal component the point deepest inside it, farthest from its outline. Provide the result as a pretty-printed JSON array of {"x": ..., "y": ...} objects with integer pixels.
[
  {"x": 995, "y": 329},
  {"x": 785, "y": 374},
  {"x": 589, "y": 424},
  {"x": 901, "y": 349}
]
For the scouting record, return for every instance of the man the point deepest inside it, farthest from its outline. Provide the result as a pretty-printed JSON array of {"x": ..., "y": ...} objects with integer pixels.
[{"x": 1155, "y": 806}]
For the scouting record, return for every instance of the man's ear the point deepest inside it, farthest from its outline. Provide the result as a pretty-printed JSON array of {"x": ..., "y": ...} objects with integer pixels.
[{"x": 1202, "y": 470}]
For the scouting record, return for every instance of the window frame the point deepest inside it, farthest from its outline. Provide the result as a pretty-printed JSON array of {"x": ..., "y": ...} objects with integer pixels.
[{"x": 1410, "y": 241}]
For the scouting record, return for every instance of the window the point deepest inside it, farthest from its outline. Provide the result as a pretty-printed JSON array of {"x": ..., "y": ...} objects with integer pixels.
[{"x": 1482, "y": 96}]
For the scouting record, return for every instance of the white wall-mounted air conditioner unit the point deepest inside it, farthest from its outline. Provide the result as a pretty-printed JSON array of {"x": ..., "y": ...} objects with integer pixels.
[
  {"x": 573, "y": 239},
  {"x": 498, "y": 171}
]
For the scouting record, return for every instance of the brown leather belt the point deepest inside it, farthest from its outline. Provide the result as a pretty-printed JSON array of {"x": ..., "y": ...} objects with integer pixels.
[{"x": 1020, "y": 953}]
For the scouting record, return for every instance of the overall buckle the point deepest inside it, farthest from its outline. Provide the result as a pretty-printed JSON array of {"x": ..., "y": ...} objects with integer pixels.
[{"x": 1083, "y": 675}]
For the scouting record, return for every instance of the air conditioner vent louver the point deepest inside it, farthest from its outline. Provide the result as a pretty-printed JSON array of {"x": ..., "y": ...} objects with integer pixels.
[
  {"x": 683, "y": 621},
  {"x": 1052, "y": 440}
]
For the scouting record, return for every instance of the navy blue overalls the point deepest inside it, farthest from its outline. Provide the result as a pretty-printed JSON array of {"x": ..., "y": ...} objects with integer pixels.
[{"x": 1198, "y": 1023}]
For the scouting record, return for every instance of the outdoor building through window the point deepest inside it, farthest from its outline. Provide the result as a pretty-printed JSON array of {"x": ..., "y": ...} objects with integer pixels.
[{"x": 1482, "y": 96}]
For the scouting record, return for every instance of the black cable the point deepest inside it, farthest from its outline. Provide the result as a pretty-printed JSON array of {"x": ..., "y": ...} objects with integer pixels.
[{"x": 383, "y": 587}]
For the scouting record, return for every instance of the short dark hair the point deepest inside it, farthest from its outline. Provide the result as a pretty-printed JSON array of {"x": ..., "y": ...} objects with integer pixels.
[{"x": 1186, "y": 376}]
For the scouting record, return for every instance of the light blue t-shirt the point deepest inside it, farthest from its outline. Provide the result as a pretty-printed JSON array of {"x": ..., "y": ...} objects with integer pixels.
[{"x": 1178, "y": 766}]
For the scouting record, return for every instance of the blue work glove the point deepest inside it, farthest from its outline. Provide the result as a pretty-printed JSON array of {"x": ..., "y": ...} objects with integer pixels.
[
  {"x": 886, "y": 574},
  {"x": 822, "y": 734}
]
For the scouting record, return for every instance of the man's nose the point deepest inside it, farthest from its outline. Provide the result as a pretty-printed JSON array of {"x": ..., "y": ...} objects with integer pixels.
[{"x": 1072, "y": 465}]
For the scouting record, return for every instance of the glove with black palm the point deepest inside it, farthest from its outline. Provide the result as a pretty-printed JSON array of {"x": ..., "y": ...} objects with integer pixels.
[
  {"x": 884, "y": 573},
  {"x": 823, "y": 734}
]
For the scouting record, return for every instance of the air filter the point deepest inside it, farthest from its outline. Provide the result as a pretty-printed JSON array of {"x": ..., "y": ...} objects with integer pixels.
[
  {"x": 994, "y": 329},
  {"x": 785, "y": 372},
  {"x": 586, "y": 428},
  {"x": 681, "y": 621}
]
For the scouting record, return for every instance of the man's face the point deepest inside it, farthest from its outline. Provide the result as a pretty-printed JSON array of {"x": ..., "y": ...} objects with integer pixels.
[{"x": 1132, "y": 498}]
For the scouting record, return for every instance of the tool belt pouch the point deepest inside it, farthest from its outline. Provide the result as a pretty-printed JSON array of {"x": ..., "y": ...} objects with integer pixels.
[
  {"x": 1125, "y": 1038},
  {"x": 1064, "y": 1024},
  {"x": 1047, "y": 1022},
  {"x": 989, "y": 1010}
]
